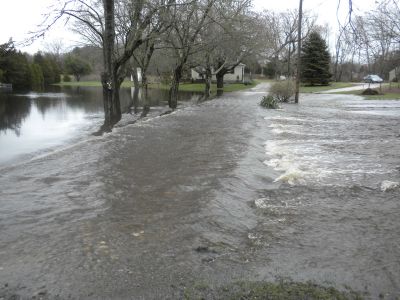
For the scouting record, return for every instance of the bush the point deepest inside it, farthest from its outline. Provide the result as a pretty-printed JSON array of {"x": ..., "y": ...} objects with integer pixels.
[
  {"x": 269, "y": 102},
  {"x": 282, "y": 90},
  {"x": 369, "y": 92},
  {"x": 67, "y": 78}
]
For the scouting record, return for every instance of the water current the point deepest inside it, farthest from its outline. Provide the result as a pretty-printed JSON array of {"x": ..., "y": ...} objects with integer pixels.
[{"x": 210, "y": 194}]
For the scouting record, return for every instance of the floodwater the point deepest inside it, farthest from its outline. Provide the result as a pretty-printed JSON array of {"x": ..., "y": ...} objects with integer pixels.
[
  {"x": 33, "y": 123},
  {"x": 210, "y": 194}
]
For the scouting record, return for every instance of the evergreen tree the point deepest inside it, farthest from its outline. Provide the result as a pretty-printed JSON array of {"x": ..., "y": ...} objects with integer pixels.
[
  {"x": 315, "y": 60},
  {"x": 37, "y": 80},
  {"x": 14, "y": 66},
  {"x": 46, "y": 67},
  {"x": 56, "y": 70},
  {"x": 50, "y": 68}
]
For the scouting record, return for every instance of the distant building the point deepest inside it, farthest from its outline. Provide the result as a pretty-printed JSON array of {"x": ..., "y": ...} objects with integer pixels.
[
  {"x": 394, "y": 74},
  {"x": 236, "y": 75},
  {"x": 139, "y": 74}
]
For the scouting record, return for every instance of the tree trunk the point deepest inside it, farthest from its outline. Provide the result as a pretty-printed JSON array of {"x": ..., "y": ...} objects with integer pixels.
[
  {"x": 296, "y": 97},
  {"x": 145, "y": 88},
  {"x": 135, "y": 78},
  {"x": 144, "y": 80},
  {"x": 289, "y": 62},
  {"x": 207, "y": 91},
  {"x": 135, "y": 100},
  {"x": 220, "y": 83},
  {"x": 107, "y": 102},
  {"x": 109, "y": 79},
  {"x": 145, "y": 66},
  {"x": 116, "y": 104},
  {"x": 220, "y": 80},
  {"x": 173, "y": 92},
  {"x": 352, "y": 66}
]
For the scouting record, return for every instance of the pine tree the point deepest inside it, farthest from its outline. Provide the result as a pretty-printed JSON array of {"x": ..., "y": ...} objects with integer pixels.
[
  {"x": 315, "y": 59},
  {"x": 37, "y": 79}
]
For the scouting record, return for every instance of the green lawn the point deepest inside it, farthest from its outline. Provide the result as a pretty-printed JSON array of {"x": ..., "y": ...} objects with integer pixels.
[
  {"x": 188, "y": 87},
  {"x": 270, "y": 290},
  {"x": 318, "y": 88},
  {"x": 89, "y": 83},
  {"x": 199, "y": 87}
]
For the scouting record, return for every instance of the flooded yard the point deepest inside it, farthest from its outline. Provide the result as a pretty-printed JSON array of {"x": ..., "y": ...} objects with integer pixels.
[{"x": 210, "y": 194}]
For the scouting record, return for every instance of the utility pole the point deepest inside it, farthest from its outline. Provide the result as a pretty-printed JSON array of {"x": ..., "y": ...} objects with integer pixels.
[{"x": 296, "y": 97}]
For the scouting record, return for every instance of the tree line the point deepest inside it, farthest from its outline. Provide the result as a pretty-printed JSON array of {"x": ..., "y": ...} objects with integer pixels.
[
  {"x": 34, "y": 72},
  {"x": 24, "y": 71}
]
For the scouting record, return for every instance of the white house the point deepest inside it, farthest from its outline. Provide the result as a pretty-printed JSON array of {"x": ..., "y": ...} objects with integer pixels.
[
  {"x": 236, "y": 75},
  {"x": 139, "y": 74}
]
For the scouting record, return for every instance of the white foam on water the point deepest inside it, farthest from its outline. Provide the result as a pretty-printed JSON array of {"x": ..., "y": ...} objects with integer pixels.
[
  {"x": 260, "y": 203},
  {"x": 293, "y": 176},
  {"x": 317, "y": 161},
  {"x": 388, "y": 185}
]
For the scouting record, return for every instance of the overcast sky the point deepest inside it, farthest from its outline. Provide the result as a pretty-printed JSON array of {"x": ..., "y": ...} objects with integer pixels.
[{"x": 18, "y": 17}]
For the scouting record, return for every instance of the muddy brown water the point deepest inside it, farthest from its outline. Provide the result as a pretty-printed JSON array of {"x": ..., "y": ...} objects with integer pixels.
[{"x": 207, "y": 195}]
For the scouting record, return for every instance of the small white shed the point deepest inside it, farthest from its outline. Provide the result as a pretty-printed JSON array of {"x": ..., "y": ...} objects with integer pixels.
[
  {"x": 394, "y": 73},
  {"x": 236, "y": 75},
  {"x": 139, "y": 74}
]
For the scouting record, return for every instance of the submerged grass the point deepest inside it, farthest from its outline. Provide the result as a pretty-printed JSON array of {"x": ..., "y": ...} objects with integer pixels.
[
  {"x": 283, "y": 290},
  {"x": 90, "y": 83},
  {"x": 186, "y": 87}
]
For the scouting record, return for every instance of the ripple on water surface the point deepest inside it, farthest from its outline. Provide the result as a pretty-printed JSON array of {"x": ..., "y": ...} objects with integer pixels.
[{"x": 332, "y": 149}]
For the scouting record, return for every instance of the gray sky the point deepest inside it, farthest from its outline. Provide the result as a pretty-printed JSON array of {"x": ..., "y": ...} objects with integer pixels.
[{"x": 18, "y": 17}]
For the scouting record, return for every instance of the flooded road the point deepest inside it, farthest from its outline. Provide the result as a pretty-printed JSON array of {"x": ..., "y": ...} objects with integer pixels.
[{"x": 207, "y": 195}]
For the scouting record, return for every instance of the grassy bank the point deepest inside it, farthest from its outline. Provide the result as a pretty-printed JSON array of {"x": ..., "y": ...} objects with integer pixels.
[
  {"x": 186, "y": 87},
  {"x": 387, "y": 93},
  {"x": 314, "y": 89},
  {"x": 321, "y": 88}
]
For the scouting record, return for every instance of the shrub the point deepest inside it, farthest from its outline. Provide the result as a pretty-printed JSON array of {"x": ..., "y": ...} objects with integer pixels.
[
  {"x": 282, "y": 90},
  {"x": 269, "y": 102},
  {"x": 370, "y": 92},
  {"x": 67, "y": 78}
]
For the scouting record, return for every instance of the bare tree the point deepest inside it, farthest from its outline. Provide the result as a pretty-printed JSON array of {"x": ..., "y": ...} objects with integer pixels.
[
  {"x": 119, "y": 27},
  {"x": 225, "y": 41},
  {"x": 281, "y": 36},
  {"x": 188, "y": 22}
]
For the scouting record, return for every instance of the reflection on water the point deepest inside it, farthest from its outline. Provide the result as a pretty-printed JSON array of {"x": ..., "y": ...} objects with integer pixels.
[
  {"x": 12, "y": 113},
  {"x": 31, "y": 122}
]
